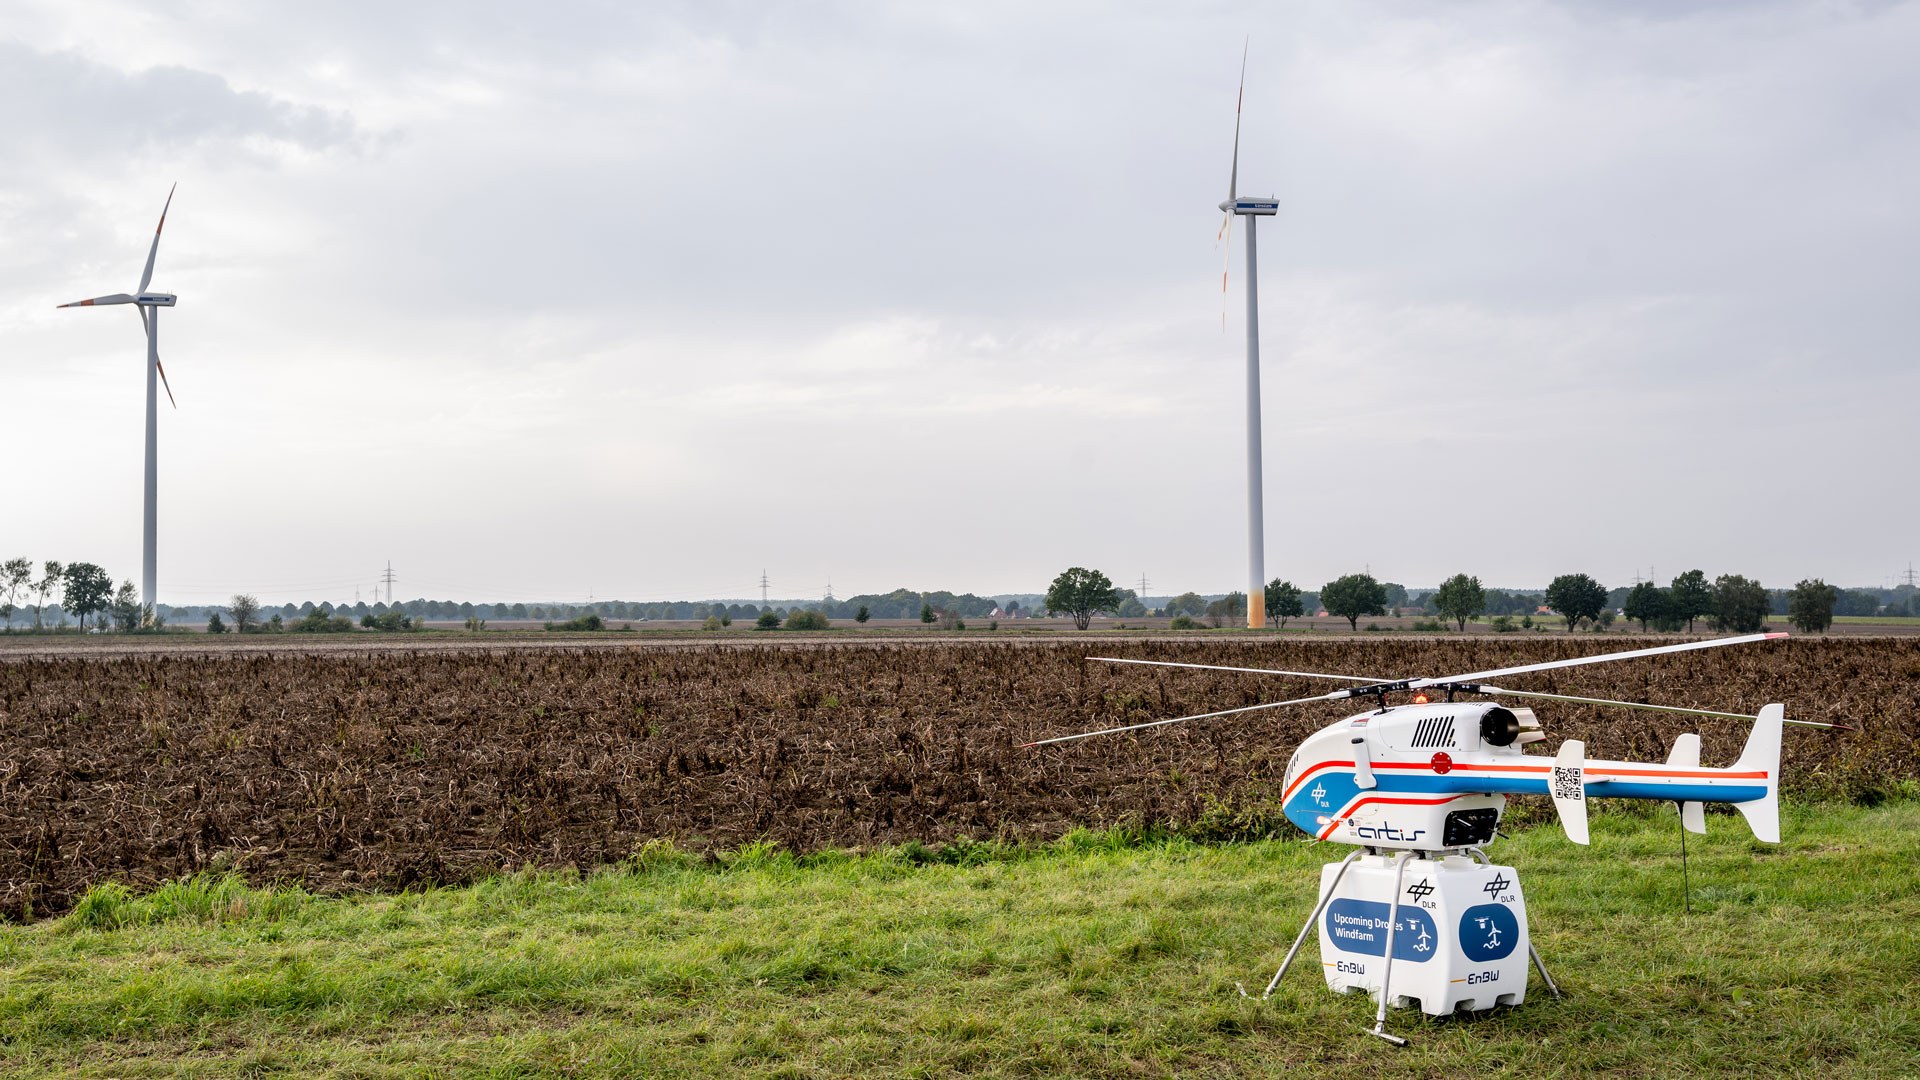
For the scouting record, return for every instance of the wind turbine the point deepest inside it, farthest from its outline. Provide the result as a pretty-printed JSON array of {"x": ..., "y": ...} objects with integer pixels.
[
  {"x": 1251, "y": 207},
  {"x": 148, "y": 306}
]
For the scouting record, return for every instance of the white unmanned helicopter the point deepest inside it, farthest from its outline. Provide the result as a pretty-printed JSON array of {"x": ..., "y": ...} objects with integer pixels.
[{"x": 1431, "y": 779}]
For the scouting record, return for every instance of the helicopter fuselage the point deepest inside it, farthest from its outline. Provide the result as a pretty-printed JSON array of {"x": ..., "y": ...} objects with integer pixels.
[{"x": 1435, "y": 776}]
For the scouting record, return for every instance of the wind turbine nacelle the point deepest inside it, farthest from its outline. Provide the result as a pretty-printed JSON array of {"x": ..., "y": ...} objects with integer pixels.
[
  {"x": 1412, "y": 777},
  {"x": 1265, "y": 205},
  {"x": 155, "y": 299}
]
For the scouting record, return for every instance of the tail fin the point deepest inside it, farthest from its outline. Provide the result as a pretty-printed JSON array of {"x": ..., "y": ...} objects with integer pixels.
[{"x": 1762, "y": 754}]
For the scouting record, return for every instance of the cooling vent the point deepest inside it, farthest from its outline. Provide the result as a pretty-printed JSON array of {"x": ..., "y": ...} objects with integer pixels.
[{"x": 1433, "y": 732}]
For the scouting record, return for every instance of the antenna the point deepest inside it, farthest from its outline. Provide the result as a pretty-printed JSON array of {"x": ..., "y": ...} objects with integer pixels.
[
  {"x": 763, "y": 587},
  {"x": 388, "y": 579},
  {"x": 829, "y": 597},
  {"x": 1908, "y": 577},
  {"x": 1143, "y": 585}
]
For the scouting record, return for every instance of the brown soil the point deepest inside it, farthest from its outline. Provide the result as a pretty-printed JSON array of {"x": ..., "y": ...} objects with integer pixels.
[{"x": 361, "y": 768}]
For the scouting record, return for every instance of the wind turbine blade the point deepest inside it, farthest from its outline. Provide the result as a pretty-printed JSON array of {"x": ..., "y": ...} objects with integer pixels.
[
  {"x": 147, "y": 323},
  {"x": 1178, "y": 719},
  {"x": 1233, "y": 177},
  {"x": 1246, "y": 670},
  {"x": 116, "y": 298},
  {"x": 1600, "y": 659},
  {"x": 1226, "y": 268},
  {"x": 163, "y": 381},
  {"x": 147, "y": 274}
]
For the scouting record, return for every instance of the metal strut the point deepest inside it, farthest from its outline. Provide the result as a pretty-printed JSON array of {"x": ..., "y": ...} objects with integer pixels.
[
  {"x": 1326, "y": 897},
  {"x": 1379, "y": 1029}
]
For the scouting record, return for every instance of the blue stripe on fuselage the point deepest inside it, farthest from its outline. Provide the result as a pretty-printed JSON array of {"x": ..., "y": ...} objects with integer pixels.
[{"x": 1337, "y": 789}]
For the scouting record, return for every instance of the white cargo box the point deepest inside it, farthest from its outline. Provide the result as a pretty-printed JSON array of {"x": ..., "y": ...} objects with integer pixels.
[{"x": 1461, "y": 940}]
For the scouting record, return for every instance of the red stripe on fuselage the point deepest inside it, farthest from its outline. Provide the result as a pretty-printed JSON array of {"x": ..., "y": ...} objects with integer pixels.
[
  {"x": 1350, "y": 808},
  {"x": 1302, "y": 778},
  {"x": 1650, "y": 770}
]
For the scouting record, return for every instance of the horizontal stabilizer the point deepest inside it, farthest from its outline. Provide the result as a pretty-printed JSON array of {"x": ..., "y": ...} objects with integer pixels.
[
  {"x": 1569, "y": 789},
  {"x": 1686, "y": 755},
  {"x": 1693, "y": 817}
]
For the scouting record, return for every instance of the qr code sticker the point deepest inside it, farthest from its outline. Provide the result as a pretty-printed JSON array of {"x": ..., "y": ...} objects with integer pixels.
[{"x": 1566, "y": 784}]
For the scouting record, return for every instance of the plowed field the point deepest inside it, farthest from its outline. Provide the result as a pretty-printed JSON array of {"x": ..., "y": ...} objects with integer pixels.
[{"x": 385, "y": 770}]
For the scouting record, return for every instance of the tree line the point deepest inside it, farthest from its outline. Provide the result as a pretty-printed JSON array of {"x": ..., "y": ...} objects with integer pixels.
[
  {"x": 1730, "y": 603},
  {"x": 87, "y": 595}
]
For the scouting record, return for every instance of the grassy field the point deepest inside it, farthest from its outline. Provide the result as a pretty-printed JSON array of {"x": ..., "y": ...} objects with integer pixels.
[{"x": 1102, "y": 954}]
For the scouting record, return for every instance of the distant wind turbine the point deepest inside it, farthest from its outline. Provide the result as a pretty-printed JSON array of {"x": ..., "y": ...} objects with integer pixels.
[
  {"x": 148, "y": 306},
  {"x": 1251, "y": 207}
]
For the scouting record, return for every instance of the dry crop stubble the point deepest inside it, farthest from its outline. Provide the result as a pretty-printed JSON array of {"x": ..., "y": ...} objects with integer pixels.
[{"x": 387, "y": 770}]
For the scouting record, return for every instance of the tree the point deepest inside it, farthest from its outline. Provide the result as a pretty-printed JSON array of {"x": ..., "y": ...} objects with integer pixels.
[
  {"x": 1646, "y": 602},
  {"x": 1187, "y": 603},
  {"x": 1810, "y": 605},
  {"x": 1689, "y": 597},
  {"x": 1857, "y": 602},
  {"x": 1739, "y": 604},
  {"x": 807, "y": 620},
  {"x": 1232, "y": 606},
  {"x": 393, "y": 621},
  {"x": 767, "y": 621},
  {"x": 87, "y": 589},
  {"x": 926, "y": 612},
  {"x": 1460, "y": 598},
  {"x": 246, "y": 611},
  {"x": 1081, "y": 593},
  {"x": 1576, "y": 598},
  {"x": 51, "y": 574},
  {"x": 862, "y": 615},
  {"x": 125, "y": 607},
  {"x": 1283, "y": 601},
  {"x": 214, "y": 623},
  {"x": 1353, "y": 596},
  {"x": 15, "y": 575},
  {"x": 1396, "y": 595}
]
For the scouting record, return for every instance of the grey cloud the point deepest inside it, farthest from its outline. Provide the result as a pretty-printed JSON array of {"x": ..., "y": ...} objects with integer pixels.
[{"x": 67, "y": 105}]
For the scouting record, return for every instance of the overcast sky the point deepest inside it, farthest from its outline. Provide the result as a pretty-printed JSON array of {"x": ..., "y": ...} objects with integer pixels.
[{"x": 636, "y": 300}]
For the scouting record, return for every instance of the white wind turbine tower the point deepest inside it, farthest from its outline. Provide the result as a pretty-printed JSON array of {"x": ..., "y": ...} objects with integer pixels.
[
  {"x": 1251, "y": 207},
  {"x": 148, "y": 306}
]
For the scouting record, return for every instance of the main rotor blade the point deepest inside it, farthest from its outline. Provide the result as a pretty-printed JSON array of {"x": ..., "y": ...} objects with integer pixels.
[
  {"x": 1603, "y": 658},
  {"x": 1495, "y": 691},
  {"x": 1178, "y": 719},
  {"x": 1247, "y": 670},
  {"x": 153, "y": 344},
  {"x": 147, "y": 274},
  {"x": 116, "y": 298}
]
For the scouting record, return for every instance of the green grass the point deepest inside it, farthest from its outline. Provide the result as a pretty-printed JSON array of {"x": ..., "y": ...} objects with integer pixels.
[{"x": 1099, "y": 955}]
